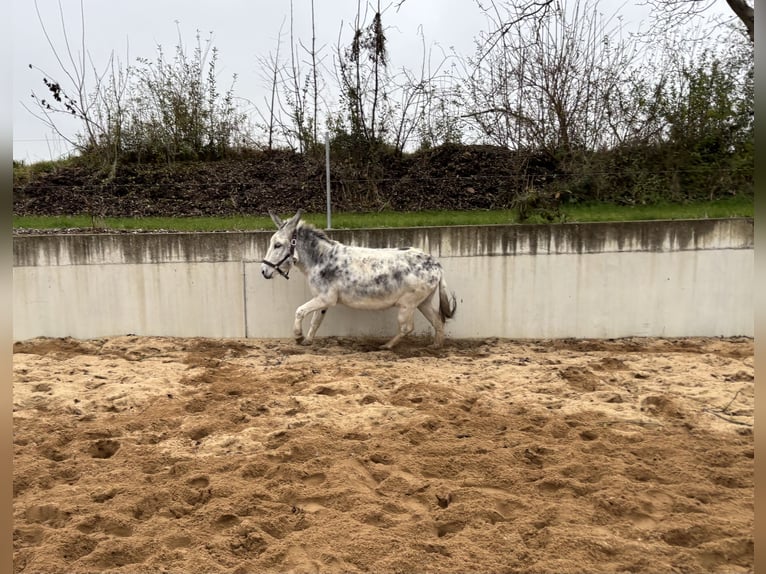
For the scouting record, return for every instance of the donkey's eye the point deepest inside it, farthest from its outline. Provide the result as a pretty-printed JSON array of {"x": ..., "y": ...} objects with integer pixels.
[{"x": 277, "y": 245}]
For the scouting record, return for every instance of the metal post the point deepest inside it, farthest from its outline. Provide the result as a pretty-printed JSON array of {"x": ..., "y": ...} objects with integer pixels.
[{"x": 327, "y": 163}]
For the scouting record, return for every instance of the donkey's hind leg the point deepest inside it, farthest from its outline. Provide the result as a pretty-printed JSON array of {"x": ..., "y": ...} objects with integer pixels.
[
  {"x": 406, "y": 320},
  {"x": 435, "y": 319}
]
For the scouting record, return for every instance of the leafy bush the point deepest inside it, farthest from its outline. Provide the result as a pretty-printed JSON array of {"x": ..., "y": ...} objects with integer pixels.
[
  {"x": 176, "y": 111},
  {"x": 152, "y": 111}
]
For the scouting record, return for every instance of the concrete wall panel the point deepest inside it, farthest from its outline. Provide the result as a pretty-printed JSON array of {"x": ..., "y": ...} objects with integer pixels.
[
  {"x": 671, "y": 278},
  {"x": 85, "y": 301}
]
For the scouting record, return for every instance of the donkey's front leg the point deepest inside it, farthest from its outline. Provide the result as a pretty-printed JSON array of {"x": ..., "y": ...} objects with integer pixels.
[
  {"x": 315, "y": 304},
  {"x": 316, "y": 321}
]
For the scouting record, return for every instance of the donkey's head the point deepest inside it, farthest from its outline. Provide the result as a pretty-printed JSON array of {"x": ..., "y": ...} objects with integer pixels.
[{"x": 281, "y": 251}]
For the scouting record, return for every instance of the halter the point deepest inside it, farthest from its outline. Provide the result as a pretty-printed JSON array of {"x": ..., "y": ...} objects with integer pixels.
[{"x": 277, "y": 266}]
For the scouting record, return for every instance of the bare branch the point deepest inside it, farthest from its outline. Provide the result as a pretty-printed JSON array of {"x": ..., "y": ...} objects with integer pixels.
[
  {"x": 673, "y": 13},
  {"x": 534, "y": 10}
]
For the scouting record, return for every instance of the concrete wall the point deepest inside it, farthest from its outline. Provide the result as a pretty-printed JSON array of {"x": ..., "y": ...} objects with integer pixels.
[{"x": 598, "y": 280}]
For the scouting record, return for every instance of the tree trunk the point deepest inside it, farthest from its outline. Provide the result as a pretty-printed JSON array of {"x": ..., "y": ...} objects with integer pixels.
[{"x": 744, "y": 13}]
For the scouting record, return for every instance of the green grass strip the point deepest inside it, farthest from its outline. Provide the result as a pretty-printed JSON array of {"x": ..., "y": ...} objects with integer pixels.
[{"x": 725, "y": 208}]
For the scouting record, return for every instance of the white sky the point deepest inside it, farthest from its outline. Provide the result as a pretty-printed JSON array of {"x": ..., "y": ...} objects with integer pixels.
[{"x": 243, "y": 31}]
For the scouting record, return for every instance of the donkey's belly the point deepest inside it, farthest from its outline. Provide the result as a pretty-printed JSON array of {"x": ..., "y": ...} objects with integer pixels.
[
  {"x": 356, "y": 302},
  {"x": 374, "y": 298}
]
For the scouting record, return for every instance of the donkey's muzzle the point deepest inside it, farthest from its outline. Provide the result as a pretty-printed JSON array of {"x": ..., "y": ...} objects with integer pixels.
[{"x": 276, "y": 267}]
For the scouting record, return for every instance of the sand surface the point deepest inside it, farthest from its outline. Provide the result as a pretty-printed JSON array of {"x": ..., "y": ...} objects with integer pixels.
[{"x": 147, "y": 454}]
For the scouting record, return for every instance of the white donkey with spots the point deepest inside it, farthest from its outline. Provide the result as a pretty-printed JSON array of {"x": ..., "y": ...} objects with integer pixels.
[{"x": 358, "y": 277}]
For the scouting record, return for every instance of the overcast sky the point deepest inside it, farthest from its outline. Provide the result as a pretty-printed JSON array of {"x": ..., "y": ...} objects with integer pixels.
[{"x": 243, "y": 31}]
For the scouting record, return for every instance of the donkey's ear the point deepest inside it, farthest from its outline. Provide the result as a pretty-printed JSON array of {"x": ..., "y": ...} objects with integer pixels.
[
  {"x": 295, "y": 218},
  {"x": 275, "y": 218}
]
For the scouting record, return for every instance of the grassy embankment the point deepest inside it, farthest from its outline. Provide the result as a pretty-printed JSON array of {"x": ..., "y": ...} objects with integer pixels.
[{"x": 734, "y": 207}]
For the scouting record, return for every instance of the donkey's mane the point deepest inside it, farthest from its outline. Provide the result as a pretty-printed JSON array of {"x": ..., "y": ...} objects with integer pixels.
[{"x": 309, "y": 228}]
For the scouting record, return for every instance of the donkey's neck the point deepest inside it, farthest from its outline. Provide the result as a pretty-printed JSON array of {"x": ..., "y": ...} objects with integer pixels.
[{"x": 312, "y": 246}]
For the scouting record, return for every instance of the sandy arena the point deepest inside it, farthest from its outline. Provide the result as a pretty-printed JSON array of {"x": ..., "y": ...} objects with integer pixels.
[{"x": 149, "y": 455}]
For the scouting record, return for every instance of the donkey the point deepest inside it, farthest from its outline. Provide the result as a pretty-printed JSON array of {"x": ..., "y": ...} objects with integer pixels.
[{"x": 358, "y": 277}]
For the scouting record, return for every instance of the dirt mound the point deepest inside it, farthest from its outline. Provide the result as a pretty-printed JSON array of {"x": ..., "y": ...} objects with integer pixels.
[
  {"x": 146, "y": 454},
  {"x": 448, "y": 177}
]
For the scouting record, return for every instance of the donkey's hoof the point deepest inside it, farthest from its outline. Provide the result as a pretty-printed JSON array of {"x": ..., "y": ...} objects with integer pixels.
[
  {"x": 438, "y": 343},
  {"x": 299, "y": 339},
  {"x": 305, "y": 342}
]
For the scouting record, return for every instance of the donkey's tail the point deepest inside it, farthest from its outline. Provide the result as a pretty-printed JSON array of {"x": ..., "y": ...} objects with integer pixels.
[{"x": 447, "y": 301}]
